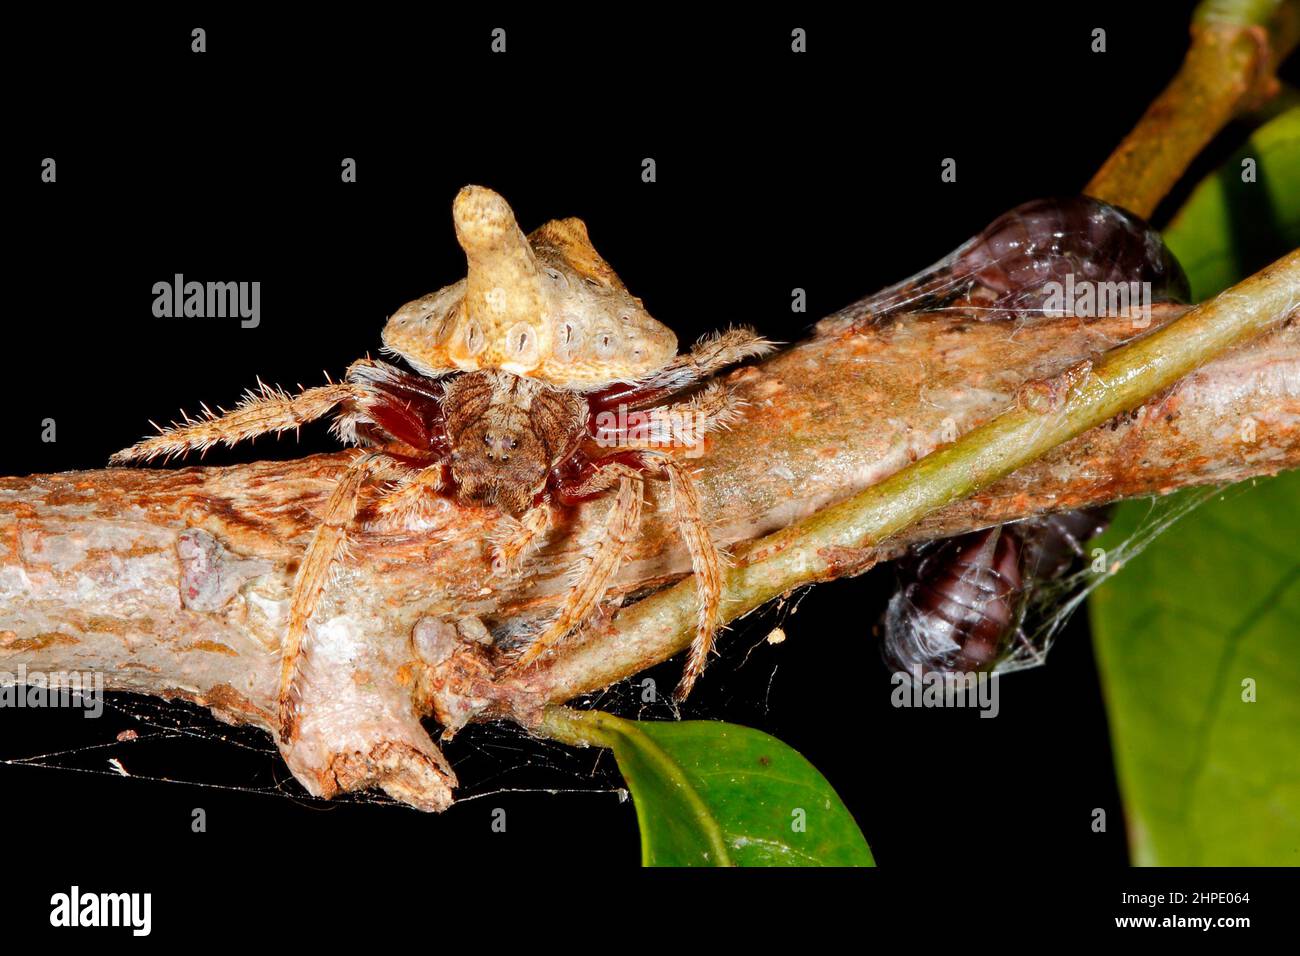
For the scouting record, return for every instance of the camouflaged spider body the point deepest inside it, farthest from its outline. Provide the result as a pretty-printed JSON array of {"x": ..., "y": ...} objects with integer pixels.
[{"x": 515, "y": 367}]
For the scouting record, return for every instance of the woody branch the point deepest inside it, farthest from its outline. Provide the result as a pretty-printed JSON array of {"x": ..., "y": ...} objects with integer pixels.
[{"x": 175, "y": 582}]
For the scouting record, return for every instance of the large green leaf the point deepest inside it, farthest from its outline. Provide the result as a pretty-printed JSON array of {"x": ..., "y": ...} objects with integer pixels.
[
  {"x": 1208, "y": 778},
  {"x": 709, "y": 793},
  {"x": 1229, "y": 229}
]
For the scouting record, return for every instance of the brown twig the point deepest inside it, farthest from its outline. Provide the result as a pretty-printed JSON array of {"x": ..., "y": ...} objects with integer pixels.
[
  {"x": 1230, "y": 70},
  {"x": 175, "y": 582}
]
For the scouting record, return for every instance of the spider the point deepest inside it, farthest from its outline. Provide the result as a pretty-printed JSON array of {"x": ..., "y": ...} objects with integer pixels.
[{"x": 525, "y": 373}]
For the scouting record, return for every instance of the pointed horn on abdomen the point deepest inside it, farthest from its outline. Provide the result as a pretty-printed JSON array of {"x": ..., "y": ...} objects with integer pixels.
[{"x": 504, "y": 284}]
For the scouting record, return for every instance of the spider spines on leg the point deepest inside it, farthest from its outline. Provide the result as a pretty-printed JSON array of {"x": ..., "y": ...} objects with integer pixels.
[
  {"x": 516, "y": 539},
  {"x": 595, "y": 571},
  {"x": 273, "y": 411},
  {"x": 707, "y": 564},
  {"x": 403, "y": 503},
  {"x": 320, "y": 564},
  {"x": 711, "y": 353}
]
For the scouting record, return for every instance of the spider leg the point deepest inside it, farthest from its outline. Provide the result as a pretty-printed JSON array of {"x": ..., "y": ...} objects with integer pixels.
[
  {"x": 710, "y": 354},
  {"x": 520, "y": 537},
  {"x": 593, "y": 573},
  {"x": 678, "y": 425},
  {"x": 720, "y": 349},
  {"x": 328, "y": 545},
  {"x": 706, "y": 561},
  {"x": 713, "y": 407},
  {"x": 404, "y": 507},
  {"x": 266, "y": 410}
]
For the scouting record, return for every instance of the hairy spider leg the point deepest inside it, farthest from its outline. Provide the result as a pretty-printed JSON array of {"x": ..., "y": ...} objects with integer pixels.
[
  {"x": 407, "y": 503},
  {"x": 687, "y": 421},
  {"x": 706, "y": 562},
  {"x": 266, "y": 410},
  {"x": 397, "y": 406},
  {"x": 706, "y": 559},
  {"x": 678, "y": 425},
  {"x": 328, "y": 545},
  {"x": 592, "y": 573},
  {"x": 517, "y": 538},
  {"x": 400, "y": 417},
  {"x": 710, "y": 354}
]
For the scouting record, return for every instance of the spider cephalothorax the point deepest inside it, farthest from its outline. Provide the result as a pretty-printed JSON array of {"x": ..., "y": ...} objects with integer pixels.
[
  {"x": 539, "y": 381},
  {"x": 507, "y": 433}
]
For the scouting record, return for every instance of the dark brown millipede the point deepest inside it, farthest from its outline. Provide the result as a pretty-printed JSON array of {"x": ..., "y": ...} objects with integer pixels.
[{"x": 961, "y": 602}]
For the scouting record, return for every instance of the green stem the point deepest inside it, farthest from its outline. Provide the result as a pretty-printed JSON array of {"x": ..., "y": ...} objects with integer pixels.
[
  {"x": 579, "y": 728},
  {"x": 1047, "y": 414},
  {"x": 583, "y": 728},
  {"x": 1229, "y": 70}
]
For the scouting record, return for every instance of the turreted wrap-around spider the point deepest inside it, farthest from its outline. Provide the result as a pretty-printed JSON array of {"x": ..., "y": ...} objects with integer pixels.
[{"x": 518, "y": 370}]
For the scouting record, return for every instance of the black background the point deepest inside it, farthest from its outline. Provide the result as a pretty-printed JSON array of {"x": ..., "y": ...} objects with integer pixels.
[{"x": 775, "y": 171}]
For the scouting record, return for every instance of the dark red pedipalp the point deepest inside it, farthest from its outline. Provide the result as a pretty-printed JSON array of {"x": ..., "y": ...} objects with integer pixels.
[
  {"x": 408, "y": 408},
  {"x": 569, "y": 481}
]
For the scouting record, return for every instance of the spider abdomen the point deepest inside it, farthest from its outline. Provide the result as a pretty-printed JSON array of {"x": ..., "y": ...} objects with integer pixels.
[{"x": 544, "y": 305}]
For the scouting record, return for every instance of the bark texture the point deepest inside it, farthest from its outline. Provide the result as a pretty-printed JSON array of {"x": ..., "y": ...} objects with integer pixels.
[{"x": 175, "y": 582}]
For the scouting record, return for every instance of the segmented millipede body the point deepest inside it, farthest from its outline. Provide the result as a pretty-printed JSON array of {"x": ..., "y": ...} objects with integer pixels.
[
  {"x": 1004, "y": 272},
  {"x": 961, "y": 602},
  {"x": 1053, "y": 544}
]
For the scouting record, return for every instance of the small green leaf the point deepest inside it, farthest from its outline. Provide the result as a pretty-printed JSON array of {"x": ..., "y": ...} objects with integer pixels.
[
  {"x": 1185, "y": 634},
  {"x": 709, "y": 793},
  {"x": 1229, "y": 229}
]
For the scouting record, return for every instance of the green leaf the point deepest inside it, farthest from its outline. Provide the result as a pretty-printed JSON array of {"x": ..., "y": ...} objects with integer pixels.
[
  {"x": 1207, "y": 777},
  {"x": 709, "y": 793},
  {"x": 1229, "y": 229}
]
